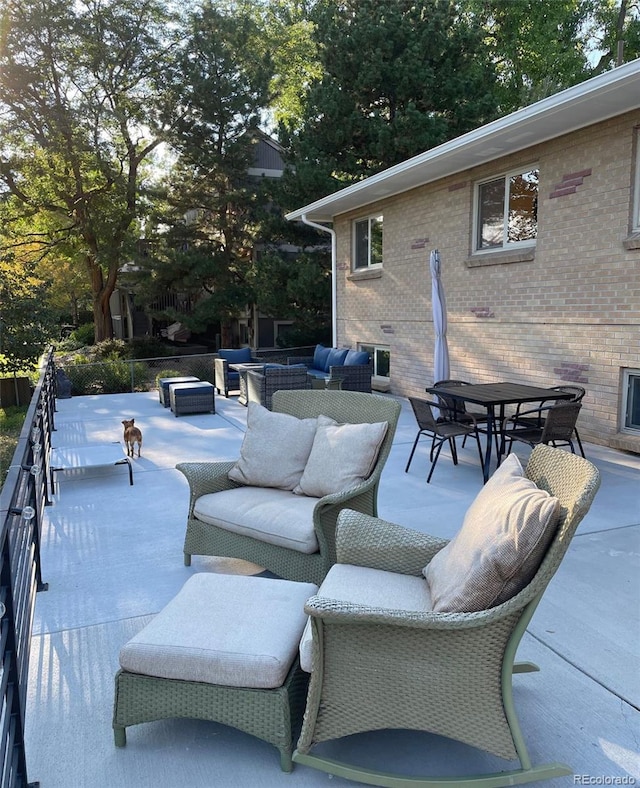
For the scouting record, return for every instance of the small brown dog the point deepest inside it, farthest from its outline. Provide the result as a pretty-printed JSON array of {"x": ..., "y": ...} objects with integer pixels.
[{"x": 132, "y": 435}]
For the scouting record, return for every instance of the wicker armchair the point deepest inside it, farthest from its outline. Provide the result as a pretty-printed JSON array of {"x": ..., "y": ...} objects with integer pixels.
[
  {"x": 227, "y": 379},
  {"x": 261, "y": 386},
  {"x": 446, "y": 673},
  {"x": 203, "y": 538}
]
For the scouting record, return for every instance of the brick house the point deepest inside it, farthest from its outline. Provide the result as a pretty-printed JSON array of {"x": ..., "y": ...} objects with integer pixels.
[{"x": 537, "y": 220}]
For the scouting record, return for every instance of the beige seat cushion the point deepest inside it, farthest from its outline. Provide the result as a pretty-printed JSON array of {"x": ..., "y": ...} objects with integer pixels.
[
  {"x": 275, "y": 516},
  {"x": 496, "y": 553},
  {"x": 275, "y": 449},
  {"x": 342, "y": 456},
  {"x": 362, "y": 585},
  {"x": 223, "y": 629}
]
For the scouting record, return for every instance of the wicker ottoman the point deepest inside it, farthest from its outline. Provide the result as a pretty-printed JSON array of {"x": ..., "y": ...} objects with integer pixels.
[
  {"x": 192, "y": 398},
  {"x": 224, "y": 649},
  {"x": 163, "y": 387}
]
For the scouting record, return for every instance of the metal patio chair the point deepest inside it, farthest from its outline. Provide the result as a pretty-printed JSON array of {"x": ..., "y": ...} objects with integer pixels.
[
  {"x": 536, "y": 419},
  {"x": 441, "y": 431},
  {"x": 554, "y": 425}
]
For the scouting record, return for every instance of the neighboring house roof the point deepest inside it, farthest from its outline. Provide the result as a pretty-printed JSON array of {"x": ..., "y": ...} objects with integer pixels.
[
  {"x": 268, "y": 159},
  {"x": 592, "y": 101}
]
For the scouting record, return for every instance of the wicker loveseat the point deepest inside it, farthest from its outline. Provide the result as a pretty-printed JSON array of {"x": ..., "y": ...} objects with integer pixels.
[
  {"x": 352, "y": 367},
  {"x": 291, "y": 535}
]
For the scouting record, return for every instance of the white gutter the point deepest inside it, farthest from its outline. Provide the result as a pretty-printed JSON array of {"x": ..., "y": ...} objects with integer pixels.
[{"x": 334, "y": 271}]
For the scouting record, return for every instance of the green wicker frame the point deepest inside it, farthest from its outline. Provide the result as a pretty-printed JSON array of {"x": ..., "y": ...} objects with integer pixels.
[
  {"x": 273, "y": 715},
  {"x": 448, "y": 674},
  {"x": 209, "y": 477}
]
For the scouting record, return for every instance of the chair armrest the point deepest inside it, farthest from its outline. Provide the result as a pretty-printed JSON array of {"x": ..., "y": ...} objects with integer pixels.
[
  {"x": 205, "y": 478},
  {"x": 526, "y": 416},
  {"x": 364, "y": 540},
  {"x": 335, "y": 611},
  {"x": 354, "y": 377}
]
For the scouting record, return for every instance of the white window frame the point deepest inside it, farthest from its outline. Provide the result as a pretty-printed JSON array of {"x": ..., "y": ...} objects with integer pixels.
[
  {"x": 372, "y": 349},
  {"x": 354, "y": 241},
  {"x": 627, "y": 376},
  {"x": 635, "y": 224},
  {"x": 506, "y": 244}
]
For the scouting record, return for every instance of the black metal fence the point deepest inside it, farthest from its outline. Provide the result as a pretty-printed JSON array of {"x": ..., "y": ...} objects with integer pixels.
[{"x": 23, "y": 496}]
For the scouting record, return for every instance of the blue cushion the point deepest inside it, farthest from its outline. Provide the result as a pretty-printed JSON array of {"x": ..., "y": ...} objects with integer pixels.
[
  {"x": 240, "y": 356},
  {"x": 336, "y": 358},
  {"x": 274, "y": 366},
  {"x": 320, "y": 356},
  {"x": 297, "y": 366},
  {"x": 356, "y": 357}
]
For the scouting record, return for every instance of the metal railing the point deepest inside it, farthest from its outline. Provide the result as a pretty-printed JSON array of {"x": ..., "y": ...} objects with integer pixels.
[{"x": 22, "y": 499}]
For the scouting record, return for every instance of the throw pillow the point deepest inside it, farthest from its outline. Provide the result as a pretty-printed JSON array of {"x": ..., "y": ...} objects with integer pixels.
[
  {"x": 335, "y": 358},
  {"x": 354, "y": 357},
  {"x": 342, "y": 456},
  {"x": 275, "y": 449},
  {"x": 496, "y": 553},
  {"x": 320, "y": 356}
]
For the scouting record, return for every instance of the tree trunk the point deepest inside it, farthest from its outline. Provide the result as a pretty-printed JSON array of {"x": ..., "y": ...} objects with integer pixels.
[{"x": 103, "y": 325}]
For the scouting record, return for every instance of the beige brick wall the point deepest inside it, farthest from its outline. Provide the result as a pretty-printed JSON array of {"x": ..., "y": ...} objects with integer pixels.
[{"x": 572, "y": 313}]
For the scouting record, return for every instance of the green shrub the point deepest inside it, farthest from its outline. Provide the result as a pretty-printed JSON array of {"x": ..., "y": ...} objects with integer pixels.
[
  {"x": 148, "y": 348},
  {"x": 109, "y": 377},
  {"x": 84, "y": 334},
  {"x": 168, "y": 373}
]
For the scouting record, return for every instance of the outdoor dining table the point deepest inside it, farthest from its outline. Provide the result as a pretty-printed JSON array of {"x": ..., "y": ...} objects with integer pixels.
[{"x": 497, "y": 395}]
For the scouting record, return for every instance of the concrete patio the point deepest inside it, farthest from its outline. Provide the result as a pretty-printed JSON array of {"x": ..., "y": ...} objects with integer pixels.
[{"x": 112, "y": 556}]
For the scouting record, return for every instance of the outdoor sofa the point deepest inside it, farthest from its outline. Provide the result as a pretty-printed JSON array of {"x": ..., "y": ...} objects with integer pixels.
[{"x": 353, "y": 367}]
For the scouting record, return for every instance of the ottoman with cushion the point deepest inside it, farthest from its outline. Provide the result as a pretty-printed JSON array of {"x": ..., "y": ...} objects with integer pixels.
[
  {"x": 163, "y": 387},
  {"x": 192, "y": 398},
  {"x": 224, "y": 649}
]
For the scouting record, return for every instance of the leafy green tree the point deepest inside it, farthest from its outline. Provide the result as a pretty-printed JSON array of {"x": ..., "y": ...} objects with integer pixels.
[
  {"x": 202, "y": 245},
  {"x": 398, "y": 78},
  {"x": 83, "y": 89},
  {"x": 536, "y": 47},
  {"x": 26, "y": 321},
  {"x": 614, "y": 32}
]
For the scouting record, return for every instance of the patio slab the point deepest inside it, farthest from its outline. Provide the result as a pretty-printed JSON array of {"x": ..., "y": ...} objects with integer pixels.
[{"x": 112, "y": 555}]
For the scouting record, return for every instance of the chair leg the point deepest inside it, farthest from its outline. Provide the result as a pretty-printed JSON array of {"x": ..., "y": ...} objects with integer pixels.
[
  {"x": 433, "y": 464},
  {"x": 415, "y": 443},
  {"x": 454, "y": 451},
  {"x": 579, "y": 443}
]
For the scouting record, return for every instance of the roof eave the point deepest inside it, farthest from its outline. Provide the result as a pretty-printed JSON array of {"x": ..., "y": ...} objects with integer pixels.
[{"x": 564, "y": 112}]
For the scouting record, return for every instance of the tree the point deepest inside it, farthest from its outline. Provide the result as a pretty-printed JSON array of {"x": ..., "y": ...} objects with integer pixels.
[
  {"x": 202, "y": 245},
  {"x": 83, "y": 89},
  {"x": 398, "y": 78},
  {"x": 26, "y": 322}
]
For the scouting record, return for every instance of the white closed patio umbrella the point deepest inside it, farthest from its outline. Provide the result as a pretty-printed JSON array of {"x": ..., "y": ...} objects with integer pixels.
[{"x": 439, "y": 306}]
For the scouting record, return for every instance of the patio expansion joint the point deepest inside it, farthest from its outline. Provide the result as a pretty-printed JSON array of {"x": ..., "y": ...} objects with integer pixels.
[
  {"x": 96, "y": 625},
  {"x": 624, "y": 701}
]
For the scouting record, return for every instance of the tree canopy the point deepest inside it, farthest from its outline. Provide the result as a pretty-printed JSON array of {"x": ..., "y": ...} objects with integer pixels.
[
  {"x": 92, "y": 91},
  {"x": 83, "y": 89}
]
